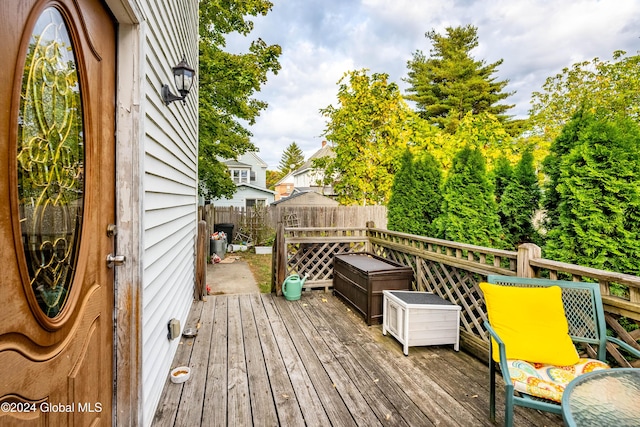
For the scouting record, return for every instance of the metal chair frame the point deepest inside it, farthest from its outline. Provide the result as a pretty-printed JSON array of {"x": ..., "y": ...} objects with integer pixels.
[{"x": 583, "y": 308}]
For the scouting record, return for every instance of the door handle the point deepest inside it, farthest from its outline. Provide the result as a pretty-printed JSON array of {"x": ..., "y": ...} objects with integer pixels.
[{"x": 114, "y": 260}]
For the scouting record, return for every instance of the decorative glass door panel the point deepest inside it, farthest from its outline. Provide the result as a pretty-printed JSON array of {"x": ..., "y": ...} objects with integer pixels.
[{"x": 51, "y": 162}]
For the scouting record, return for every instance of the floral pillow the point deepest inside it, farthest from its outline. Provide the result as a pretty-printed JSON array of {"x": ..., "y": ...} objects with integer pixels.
[{"x": 548, "y": 381}]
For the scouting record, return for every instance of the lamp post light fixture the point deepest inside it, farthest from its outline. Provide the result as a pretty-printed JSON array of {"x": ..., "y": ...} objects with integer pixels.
[{"x": 183, "y": 75}]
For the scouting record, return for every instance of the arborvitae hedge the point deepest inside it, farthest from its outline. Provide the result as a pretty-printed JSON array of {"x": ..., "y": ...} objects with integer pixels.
[
  {"x": 598, "y": 195},
  {"x": 502, "y": 175},
  {"x": 415, "y": 195},
  {"x": 469, "y": 210},
  {"x": 560, "y": 147},
  {"x": 519, "y": 201}
]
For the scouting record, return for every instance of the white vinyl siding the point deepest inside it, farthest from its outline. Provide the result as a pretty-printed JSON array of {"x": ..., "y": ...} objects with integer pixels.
[
  {"x": 308, "y": 178},
  {"x": 170, "y": 189},
  {"x": 245, "y": 193},
  {"x": 249, "y": 169}
]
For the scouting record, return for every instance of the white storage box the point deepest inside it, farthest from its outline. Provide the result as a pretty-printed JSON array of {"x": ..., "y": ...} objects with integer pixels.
[{"x": 420, "y": 318}]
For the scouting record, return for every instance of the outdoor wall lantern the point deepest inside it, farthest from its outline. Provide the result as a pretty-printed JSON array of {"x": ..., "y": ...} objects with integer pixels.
[{"x": 183, "y": 75}]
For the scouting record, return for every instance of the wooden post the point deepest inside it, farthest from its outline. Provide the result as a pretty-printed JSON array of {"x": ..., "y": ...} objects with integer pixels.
[
  {"x": 274, "y": 262},
  {"x": 369, "y": 247},
  {"x": 202, "y": 247},
  {"x": 281, "y": 263},
  {"x": 527, "y": 252}
]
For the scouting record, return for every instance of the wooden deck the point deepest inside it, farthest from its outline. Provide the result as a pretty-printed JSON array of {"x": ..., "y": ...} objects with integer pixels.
[{"x": 261, "y": 360}]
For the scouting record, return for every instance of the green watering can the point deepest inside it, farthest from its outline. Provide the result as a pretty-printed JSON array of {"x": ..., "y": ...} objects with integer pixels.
[{"x": 292, "y": 287}]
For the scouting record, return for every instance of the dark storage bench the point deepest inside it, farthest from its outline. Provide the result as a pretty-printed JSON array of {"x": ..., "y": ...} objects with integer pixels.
[{"x": 360, "y": 278}]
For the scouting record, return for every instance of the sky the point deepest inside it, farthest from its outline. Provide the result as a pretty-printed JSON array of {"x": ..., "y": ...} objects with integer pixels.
[{"x": 321, "y": 40}]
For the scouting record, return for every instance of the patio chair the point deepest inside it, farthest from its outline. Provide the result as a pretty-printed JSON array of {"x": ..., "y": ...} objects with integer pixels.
[{"x": 536, "y": 324}]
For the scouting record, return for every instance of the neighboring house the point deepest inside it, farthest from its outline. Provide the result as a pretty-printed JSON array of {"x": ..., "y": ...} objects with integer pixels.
[
  {"x": 249, "y": 173},
  {"x": 99, "y": 221},
  {"x": 307, "y": 198},
  {"x": 306, "y": 177},
  {"x": 284, "y": 187}
]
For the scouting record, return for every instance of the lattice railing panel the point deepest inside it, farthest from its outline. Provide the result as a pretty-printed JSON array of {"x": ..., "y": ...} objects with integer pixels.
[
  {"x": 315, "y": 260},
  {"x": 469, "y": 257},
  {"x": 451, "y": 283},
  {"x": 460, "y": 287},
  {"x": 400, "y": 257}
]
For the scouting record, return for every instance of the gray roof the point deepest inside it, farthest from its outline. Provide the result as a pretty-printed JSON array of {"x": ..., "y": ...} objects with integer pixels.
[
  {"x": 233, "y": 162},
  {"x": 266, "y": 190},
  {"x": 326, "y": 151},
  {"x": 297, "y": 193}
]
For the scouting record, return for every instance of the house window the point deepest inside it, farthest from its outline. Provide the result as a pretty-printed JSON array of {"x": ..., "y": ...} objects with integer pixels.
[
  {"x": 252, "y": 203},
  {"x": 239, "y": 175}
]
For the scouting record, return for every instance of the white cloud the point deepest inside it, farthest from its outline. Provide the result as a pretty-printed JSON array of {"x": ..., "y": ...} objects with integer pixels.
[
  {"x": 323, "y": 39},
  {"x": 306, "y": 84}
]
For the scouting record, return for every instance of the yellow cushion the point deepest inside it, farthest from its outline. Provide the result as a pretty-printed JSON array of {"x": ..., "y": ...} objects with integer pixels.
[{"x": 531, "y": 322}]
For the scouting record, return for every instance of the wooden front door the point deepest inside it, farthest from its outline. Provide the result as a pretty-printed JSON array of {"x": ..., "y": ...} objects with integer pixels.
[{"x": 57, "y": 187}]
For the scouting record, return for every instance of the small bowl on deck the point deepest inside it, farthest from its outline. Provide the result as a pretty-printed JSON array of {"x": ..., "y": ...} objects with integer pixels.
[
  {"x": 180, "y": 374},
  {"x": 190, "y": 332}
]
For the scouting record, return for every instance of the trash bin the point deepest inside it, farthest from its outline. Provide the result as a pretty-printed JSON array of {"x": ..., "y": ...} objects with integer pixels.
[
  {"x": 218, "y": 247},
  {"x": 226, "y": 228}
]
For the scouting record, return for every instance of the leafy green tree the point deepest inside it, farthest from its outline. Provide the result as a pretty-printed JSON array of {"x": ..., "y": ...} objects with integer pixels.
[
  {"x": 519, "y": 202},
  {"x": 598, "y": 190},
  {"x": 292, "y": 159},
  {"x": 614, "y": 85},
  {"x": 227, "y": 82},
  {"x": 486, "y": 133},
  {"x": 370, "y": 129},
  {"x": 482, "y": 131},
  {"x": 415, "y": 195},
  {"x": 272, "y": 178},
  {"x": 469, "y": 211},
  {"x": 451, "y": 83}
]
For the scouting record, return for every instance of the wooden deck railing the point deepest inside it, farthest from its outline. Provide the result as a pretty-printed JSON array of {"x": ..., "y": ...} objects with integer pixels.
[
  {"x": 620, "y": 297},
  {"x": 309, "y": 252},
  {"x": 452, "y": 270}
]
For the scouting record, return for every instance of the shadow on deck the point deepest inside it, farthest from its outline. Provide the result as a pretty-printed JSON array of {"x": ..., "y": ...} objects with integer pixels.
[{"x": 261, "y": 360}]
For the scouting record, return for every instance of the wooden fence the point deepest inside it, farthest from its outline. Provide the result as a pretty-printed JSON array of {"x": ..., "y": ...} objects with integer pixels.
[
  {"x": 245, "y": 219},
  {"x": 328, "y": 216},
  {"x": 452, "y": 270}
]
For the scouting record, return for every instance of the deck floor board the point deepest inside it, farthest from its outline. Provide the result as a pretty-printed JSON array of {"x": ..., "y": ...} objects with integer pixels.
[
  {"x": 214, "y": 408},
  {"x": 259, "y": 388},
  {"x": 261, "y": 360}
]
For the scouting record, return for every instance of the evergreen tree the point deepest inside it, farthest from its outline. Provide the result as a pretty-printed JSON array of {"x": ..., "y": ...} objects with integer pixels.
[
  {"x": 292, "y": 159},
  {"x": 415, "y": 195},
  {"x": 450, "y": 83},
  {"x": 519, "y": 202},
  {"x": 560, "y": 147},
  {"x": 599, "y": 195},
  {"x": 502, "y": 176},
  {"x": 469, "y": 211}
]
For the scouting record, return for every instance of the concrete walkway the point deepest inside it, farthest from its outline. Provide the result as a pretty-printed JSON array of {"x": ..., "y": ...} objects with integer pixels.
[{"x": 231, "y": 277}]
